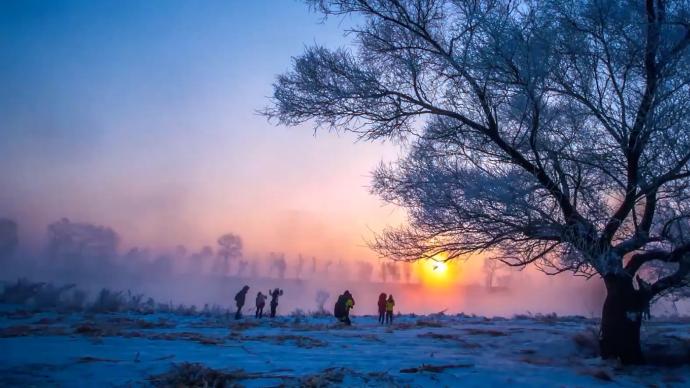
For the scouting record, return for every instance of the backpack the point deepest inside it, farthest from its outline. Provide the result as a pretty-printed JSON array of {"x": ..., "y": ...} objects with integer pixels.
[{"x": 339, "y": 309}]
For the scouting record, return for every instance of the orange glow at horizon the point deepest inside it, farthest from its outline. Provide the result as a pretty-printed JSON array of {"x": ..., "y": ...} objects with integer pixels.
[{"x": 436, "y": 272}]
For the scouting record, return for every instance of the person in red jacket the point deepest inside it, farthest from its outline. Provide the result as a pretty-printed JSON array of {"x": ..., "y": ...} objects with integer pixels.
[{"x": 382, "y": 307}]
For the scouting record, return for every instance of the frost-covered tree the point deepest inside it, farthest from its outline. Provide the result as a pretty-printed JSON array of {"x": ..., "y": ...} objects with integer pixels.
[{"x": 553, "y": 133}]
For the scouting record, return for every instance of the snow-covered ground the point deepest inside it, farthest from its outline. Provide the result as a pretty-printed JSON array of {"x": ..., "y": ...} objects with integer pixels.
[{"x": 83, "y": 349}]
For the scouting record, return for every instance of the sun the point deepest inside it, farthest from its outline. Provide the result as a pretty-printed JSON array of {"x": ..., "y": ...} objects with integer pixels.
[
  {"x": 435, "y": 272},
  {"x": 439, "y": 268}
]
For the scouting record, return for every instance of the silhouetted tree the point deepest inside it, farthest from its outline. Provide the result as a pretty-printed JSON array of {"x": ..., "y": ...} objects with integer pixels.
[
  {"x": 230, "y": 249},
  {"x": 161, "y": 266},
  {"x": 299, "y": 267},
  {"x": 242, "y": 267},
  {"x": 198, "y": 260},
  {"x": 136, "y": 258},
  {"x": 489, "y": 268},
  {"x": 342, "y": 269},
  {"x": 73, "y": 240},
  {"x": 180, "y": 251},
  {"x": 393, "y": 271},
  {"x": 278, "y": 264},
  {"x": 551, "y": 132},
  {"x": 9, "y": 237},
  {"x": 321, "y": 298},
  {"x": 407, "y": 271},
  {"x": 364, "y": 271}
]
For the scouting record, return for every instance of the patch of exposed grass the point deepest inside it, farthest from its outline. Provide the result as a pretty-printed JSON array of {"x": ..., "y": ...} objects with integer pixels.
[
  {"x": 327, "y": 378},
  {"x": 416, "y": 325},
  {"x": 129, "y": 323},
  {"x": 451, "y": 337},
  {"x": 489, "y": 332},
  {"x": 539, "y": 361},
  {"x": 29, "y": 330},
  {"x": 434, "y": 368},
  {"x": 89, "y": 359},
  {"x": 289, "y": 339},
  {"x": 186, "y": 336},
  {"x": 587, "y": 342},
  {"x": 597, "y": 373},
  {"x": 197, "y": 375}
]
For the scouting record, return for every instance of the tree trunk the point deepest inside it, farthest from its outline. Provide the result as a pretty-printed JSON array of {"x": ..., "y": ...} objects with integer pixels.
[{"x": 620, "y": 321}]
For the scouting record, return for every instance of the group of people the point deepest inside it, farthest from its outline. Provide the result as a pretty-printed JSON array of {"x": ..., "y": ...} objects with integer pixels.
[
  {"x": 241, "y": 297},
  {"x": 341, "y": 311},
  {"x": 346, "y": 302},
  {"x": 386, "y": 306}
]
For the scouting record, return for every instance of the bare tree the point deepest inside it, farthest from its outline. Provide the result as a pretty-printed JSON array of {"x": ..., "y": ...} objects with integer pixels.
[
  {"x": 393, "y": 271},
  {"x": 364, "y": 271},
  {"x": 407, "y": 271},
  {"x": 230, "y": 249},
  {"x": 76, "y": 241},
  {"x": 489, "y": 268},
  {"x": 321, "y": 298},
  {"x": 198, "y": 260},
  {"x": 327, "y": 266},
  {"x": 278, "y": 263},
  {"x": 242, "y": 267},
  {"x": 9, "y": 237},
  {"x": 553, "y": 133},
  {"x": 299, "y": 267}
]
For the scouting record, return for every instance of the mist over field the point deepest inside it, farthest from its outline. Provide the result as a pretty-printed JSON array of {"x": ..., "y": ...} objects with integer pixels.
[{"x": 94, "y": 257}]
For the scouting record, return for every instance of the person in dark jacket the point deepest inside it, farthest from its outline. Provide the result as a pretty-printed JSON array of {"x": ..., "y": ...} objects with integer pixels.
[
  {"x": 382, "y": 307},
  {"x": 239, "y": 300},
  {"x": 342, "y": 307},
  {"x": 260, "y": 304},
  {"x": 390, "y": 303},
  {"x": 274, "y": 300}
]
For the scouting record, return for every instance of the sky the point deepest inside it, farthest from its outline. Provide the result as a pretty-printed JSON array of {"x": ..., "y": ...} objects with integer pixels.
[{"x": 142, "y": 116}]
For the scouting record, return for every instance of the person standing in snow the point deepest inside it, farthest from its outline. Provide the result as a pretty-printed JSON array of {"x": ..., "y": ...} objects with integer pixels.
[
  {"x": 260, "y": 303},
  {"x": 239, "y": 300},
  {"x": 382, "y": 307},
  {"x": 390, "y": 303},
  {"x": 342, "y": 307},
  {"x": 274, "y": 300}
]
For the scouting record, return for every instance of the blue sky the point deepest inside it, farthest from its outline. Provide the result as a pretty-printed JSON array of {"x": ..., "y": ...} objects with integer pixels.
[{"x": 141, "y": 115}]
